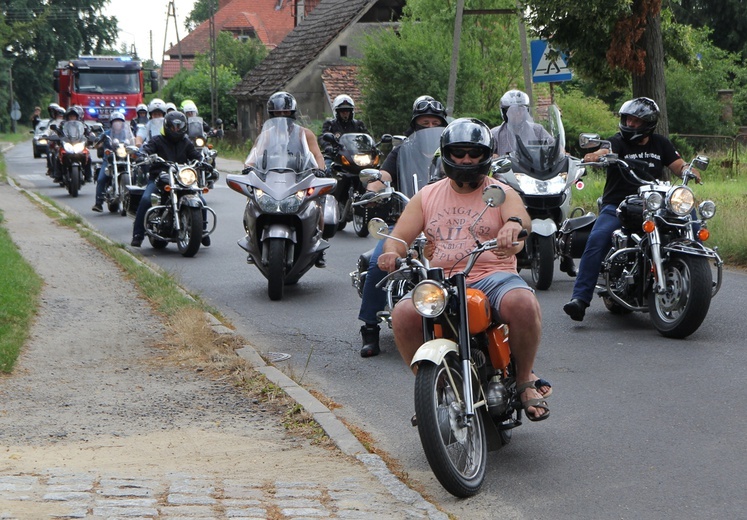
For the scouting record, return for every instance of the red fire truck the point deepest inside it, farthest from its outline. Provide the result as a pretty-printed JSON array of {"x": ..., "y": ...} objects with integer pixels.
[{"x": 102, "y": 84}]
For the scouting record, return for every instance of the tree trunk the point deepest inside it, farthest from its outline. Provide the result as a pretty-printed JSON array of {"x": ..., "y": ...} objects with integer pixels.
[{"x": 651, "y": 83}]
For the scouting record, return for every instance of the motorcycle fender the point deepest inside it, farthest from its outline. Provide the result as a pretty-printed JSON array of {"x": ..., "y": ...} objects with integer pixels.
[
  {"x": 434, "y": 351},
  {"x": 276, "y": 230},
  {"x": 193, "y": 201},
  {"x": 544, "y": 226},
  {"x": 331, "y": 211}
]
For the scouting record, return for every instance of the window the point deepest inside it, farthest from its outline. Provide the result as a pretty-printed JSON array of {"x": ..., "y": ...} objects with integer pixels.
[{"x": 343, "y": 51}]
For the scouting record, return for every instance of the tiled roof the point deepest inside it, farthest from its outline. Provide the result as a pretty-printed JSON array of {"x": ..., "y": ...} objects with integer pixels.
[
  {"x": 301, "y": 46},
  {"x": 341, "y": 79},
  {"x": 270, "y": 24},
  {"x": 170, "y": 68}
]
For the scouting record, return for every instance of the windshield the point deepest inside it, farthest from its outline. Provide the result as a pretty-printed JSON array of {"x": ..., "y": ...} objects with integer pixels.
[
  {"x": 195, "y": 128},
  {"x": 108, "y": 81},
  {"x": 414, "y": 159},
  {"x": 357, "y": 143},
  {"x": 280, "y": 146},
  {"x": 74, "y": 131},
  {"x": 538, "y": 145}
]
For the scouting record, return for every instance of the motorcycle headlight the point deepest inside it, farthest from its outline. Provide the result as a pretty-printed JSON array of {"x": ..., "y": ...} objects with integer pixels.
[
  {"x": 79, "y": 147},
  {"x": 707, "y": 209},
  {"x": 121, "y": 152},
  {"x": 199, "y": 141},
  {"x": 362, "y": 159},
  {"x": 288, "y": 205},
  {"x": 430, "y": 298},
  {"x": 680, "y": 200},
  {"x": 187, "y": 177},
  {"x": 531, "y": 186},
  {"x": 42, "y": 141},
  {"x": 654, "y": 200}
]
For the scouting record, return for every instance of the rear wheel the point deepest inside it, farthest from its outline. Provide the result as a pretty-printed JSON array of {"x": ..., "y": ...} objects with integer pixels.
[
  {"x": 276, "y": 269},
  {"x": 542, "y": 261},
  {"x": 456, "y": 449},
  {"x": 190, "y": 235},
  {"x": 74, "y": 182}
]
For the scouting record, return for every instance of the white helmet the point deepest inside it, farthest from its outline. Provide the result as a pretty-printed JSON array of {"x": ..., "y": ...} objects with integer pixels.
[
  {"x": 141, "y": 106},
  {"x": 117, "y": 115},
  {"x": 170, "y": 107},
  {"x": 189, "y": 106},
  {"x": 513, "y": 98},
  {"x": 343, "y": 101},
  {"x": 157, "y": 104}
]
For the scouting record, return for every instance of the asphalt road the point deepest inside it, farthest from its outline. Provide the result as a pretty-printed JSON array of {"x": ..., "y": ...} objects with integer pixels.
[{"x": 641, "y": 427}]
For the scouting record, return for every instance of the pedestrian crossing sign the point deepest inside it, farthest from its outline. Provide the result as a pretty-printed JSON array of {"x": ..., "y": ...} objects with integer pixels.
[{"x": 547, "y": 65}]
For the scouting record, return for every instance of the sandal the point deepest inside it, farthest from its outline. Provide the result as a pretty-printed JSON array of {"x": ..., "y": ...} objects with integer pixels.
[
  {"x": 539, "y": 383},
  {"x": 534, "y": 403}
]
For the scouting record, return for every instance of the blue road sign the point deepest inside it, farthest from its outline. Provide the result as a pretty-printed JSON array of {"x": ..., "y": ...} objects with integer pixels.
[{"x": 546, "y": 69}]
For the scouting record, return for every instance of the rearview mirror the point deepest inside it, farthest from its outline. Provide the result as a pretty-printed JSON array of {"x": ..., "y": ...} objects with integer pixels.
[
  {"x": 493, "y": 195},
  {"x": 368, "y": 175},
  {"x": 701, "y": 162},
  {"x": 377, "y": 227},
  {"x": 588, "y": 140}
]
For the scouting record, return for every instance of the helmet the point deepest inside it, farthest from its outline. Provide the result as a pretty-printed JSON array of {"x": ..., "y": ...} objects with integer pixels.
[
  {"x": 188, "y": 106},
  {"x": 73, "y": 111},
  {"x": 427, "y": 106},
  {"x": 513, "y": 98},
  {"x": 343, "y": 102},
  {"x": 170, "y": 107},
  {"x": 157, "y": 104},
  {"x": 466, "y": 133},
  {"x": 141, "y": 107},
  {"x": 117, "y": 115},
  {"x": 643, "y": 108},
  {"x": 174, "y": 126},
  {"x": 55, "y": 110},
  {"x": 281, "y": 101}
]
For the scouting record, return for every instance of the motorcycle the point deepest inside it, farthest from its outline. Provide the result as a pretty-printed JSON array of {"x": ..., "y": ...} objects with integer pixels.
[
  {"x": 290, "y": 212},
  {"x": 199, "y": 137},
  {"x": 118, "y": 173},
  {"x": 658, "y": 262},
  {"x": 178, "y": 214},
  {"x": 73, "y": 158},
  {"x": 350, "y": 154},
  {"x": 466, "y": 396},
  {"x": 541, "y": 172}
]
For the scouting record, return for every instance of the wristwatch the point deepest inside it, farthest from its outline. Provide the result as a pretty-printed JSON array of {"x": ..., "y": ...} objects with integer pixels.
[{"x": 515, "y": 219}]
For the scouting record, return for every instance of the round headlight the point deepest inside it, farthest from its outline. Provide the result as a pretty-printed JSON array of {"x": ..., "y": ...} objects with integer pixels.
[
  {"x": 654, "y": 200},
  {"x": 121, "y": 152},
  {"x": 187, "y": 176},
  {"x": 429, "y": 298},
  {"x": 707, "y": 209},
  {"x": 199, "y": 141},
  {"x": 680, "y": 200}
]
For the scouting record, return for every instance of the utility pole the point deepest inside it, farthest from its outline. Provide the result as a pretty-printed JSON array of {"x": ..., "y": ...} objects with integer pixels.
[
  {"x": 213, "y": 68},
  {"x": 171, "y": 11},
  {"x": 454, "y": 57},
  {"x": 12, "y": 100}
]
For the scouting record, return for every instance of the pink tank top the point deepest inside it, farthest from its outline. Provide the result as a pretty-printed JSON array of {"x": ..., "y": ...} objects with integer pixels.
[{"x": 447, "y": 217}]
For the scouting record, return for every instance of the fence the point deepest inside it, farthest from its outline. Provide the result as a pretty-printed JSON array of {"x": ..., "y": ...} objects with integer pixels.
[{"x": 730, "y": 151}]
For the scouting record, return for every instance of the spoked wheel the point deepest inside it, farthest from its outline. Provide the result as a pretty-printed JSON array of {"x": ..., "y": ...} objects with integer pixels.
[
  {"x": 679, "y": 311},
  {"x": 190, "y": 235},
  {"x": 543, "y": 261},
  {"x": 455, "y": 447},
  {"x": 74, "y": 186},
  {"x": 276, "y": 269},
  {"x": 124, "y": 180}
]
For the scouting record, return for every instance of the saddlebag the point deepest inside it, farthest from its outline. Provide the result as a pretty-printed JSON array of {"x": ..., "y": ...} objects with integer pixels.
[{"x": 574, "y": 233}]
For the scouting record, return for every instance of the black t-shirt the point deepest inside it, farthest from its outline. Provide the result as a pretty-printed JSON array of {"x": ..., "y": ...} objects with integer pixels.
[
  {"x": 180, "y": 152},
  {"x": 658, "y": 152}
]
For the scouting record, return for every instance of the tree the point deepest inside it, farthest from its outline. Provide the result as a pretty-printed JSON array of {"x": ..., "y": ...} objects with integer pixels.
[
  {"x": 240, "y": 55},
  {"x": 200, "y": 12},
  {"x": 726, "y": 18}
]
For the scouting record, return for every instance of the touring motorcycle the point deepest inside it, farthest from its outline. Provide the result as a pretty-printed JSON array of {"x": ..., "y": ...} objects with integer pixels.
[
  {"x": 543, "y": 174},
  {"x": 466, "y": 398},
  {"x": 658, "y": 262},
  {"x": 290, "y": 212},
  {"x": 73, "y": 157}
]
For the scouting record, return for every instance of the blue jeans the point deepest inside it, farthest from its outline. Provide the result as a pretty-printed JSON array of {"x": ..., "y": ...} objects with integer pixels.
[
  {"x": 373, "y": 300},
  {"x": 597, "y": 247},
  {"x": 101, "y": 182},
  {"x": 138, "y": 228}
]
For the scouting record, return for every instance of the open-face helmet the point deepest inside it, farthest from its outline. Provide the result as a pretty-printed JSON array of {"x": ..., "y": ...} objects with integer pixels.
[
  {"x": 117, "y": 115},
  {"x": 170, "y": 107},
  {"x": 73, "y": 111},
  {"x": 156, "y": 105},
  {"x": 54, "y": 110},
  {"x": 142, "y": 107},
  {"x": 427, "y": 106},
  {"x": 281, "y": 102},
  {"x": 644, "y": 109},
  {"x": 188, "y": 106},
  {"x": 174, "y": 126},
  {"x": 513, "y": 98},
  {"x": 474, "y": 137}
]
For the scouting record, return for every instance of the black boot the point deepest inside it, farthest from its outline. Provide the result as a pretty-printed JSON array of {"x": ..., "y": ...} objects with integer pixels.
[
  {"x": 567, "y": 265},
  {"x": 370, "y": 336}
]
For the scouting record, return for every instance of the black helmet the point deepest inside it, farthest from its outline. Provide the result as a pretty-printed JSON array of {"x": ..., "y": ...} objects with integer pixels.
[
  {"x": 467, "y": 133},
  {"x": 427, "y": 106},
  {"x": 174, "y": 126},
  {"x": 513, "y": 98},
  {"x": 643, "y": 108},
  {"x": 281, "y": 101}
]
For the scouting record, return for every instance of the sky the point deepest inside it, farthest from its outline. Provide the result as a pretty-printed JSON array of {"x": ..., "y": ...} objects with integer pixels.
[{"x": 137, "y": 18}]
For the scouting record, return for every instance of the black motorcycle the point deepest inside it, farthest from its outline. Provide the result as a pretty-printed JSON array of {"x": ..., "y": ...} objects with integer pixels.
[
  {"x": 350, "y": 154},
  {"x": 178, "y": 214},
  {"x": 73, "y": 158}
]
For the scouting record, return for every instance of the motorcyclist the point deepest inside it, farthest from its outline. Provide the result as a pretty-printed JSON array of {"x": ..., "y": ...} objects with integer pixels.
[
  {"x": 635, "y": 140},
  {"x": 170, "y": 107},
  {"x": 156, "y": 111},
  {"x": 504, "y": 134},
  {"x": 189, "y": 108},
  {"x": 466, "y": 154},
  {"x": 75, "y": 113},
  {"x": 173, "y": 145},
  {"x": 56, "y": 117},
  {"x": 119, "y": 132},
  {"x": 140, "y": 119},
  {"x": 426, "y": 113}
]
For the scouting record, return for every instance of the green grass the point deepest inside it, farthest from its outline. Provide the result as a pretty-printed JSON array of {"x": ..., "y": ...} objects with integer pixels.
[{"x": 19, "y": 294}]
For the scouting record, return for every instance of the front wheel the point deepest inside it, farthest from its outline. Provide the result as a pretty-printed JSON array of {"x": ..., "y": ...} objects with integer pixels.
[
  {"x": 74, "y": 182},
  {"x": 190, "y": 235},
  {"x": 124, "y": 180},
  {"x": 360, "y": 225},
  {"x": 682, "y": 307},
  {"x": 454, "y": 446},
  {"x": 542, "y": 259},
  {"x": 276, "y": 268}
]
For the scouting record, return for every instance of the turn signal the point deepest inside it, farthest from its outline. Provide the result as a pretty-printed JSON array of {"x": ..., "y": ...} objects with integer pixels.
[
  {"x": 704, "y": 234},
  {"x": 649, "y": 226}
]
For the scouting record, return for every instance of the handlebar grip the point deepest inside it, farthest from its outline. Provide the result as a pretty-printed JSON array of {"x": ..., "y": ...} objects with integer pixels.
[
  {"x": 399, "y": 261},
  {"x": 522, "y": 234}
]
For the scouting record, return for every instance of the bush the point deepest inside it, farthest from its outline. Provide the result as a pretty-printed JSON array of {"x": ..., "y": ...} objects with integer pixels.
[{"x": 583, "y": 114}]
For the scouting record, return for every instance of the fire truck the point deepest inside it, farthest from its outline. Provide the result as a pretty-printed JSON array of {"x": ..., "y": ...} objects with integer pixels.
[{"x": 101, "y": 85}]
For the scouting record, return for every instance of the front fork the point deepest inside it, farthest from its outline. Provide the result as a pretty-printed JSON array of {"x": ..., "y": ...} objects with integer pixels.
[
  {"x": 464, "y": 345},
  {"x": 655, "y": 245}
]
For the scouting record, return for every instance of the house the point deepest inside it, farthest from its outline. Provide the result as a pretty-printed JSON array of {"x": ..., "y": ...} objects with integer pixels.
[
  {"x": 313, "y": 61},
  {"x": 268, "y": 21}
]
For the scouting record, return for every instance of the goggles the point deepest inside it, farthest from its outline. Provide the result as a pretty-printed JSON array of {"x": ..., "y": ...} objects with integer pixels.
[
  {"x": 459, "y": 153},
  {"x": 423, "y": 106}
]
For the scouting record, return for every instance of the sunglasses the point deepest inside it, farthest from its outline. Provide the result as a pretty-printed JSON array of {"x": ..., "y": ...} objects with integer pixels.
[
  {"x": 422, "y": 106},
  {"x": 474, "y": 153}
]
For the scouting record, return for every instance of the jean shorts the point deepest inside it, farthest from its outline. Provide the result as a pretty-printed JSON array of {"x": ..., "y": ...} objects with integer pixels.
[{"x": 497, "y": 285}]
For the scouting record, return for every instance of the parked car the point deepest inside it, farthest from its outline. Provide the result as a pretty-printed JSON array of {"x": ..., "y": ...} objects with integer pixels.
[{"x": 39, "y": 141}]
